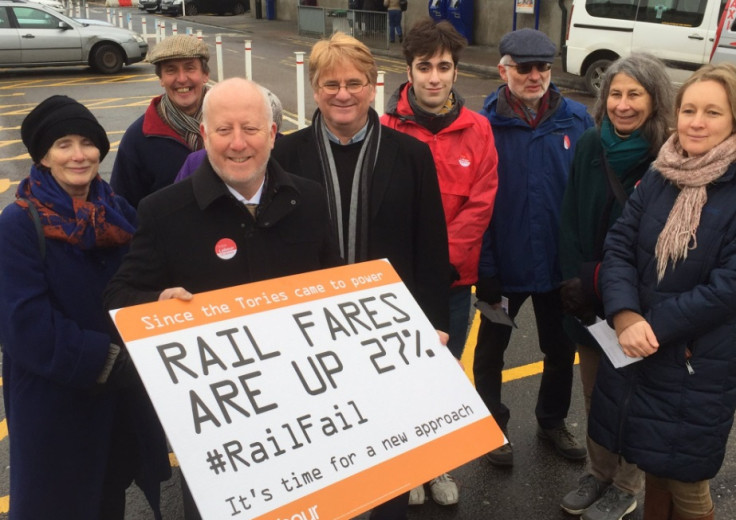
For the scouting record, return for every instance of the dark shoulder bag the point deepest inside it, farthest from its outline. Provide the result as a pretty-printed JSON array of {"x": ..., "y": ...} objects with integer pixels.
[{"x": 36, "y": 218}]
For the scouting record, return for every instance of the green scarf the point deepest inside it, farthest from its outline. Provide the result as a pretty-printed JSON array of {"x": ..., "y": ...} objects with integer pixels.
[{"x": 622, "y": 153}]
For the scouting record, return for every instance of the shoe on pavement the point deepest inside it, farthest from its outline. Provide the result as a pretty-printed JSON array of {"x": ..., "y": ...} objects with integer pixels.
[
  {"x": 564, "y": 442},
  {"x": 444, "y": 490},
  {"x": 416, "y": 496},
  {"x": 588, "y": 491},
  {"x": 502, "y": 456},
  {"x": 613, "y": 505}
]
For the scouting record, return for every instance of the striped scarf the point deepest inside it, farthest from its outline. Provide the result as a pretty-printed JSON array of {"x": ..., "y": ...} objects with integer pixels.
[{"x": 185, "y": 125}]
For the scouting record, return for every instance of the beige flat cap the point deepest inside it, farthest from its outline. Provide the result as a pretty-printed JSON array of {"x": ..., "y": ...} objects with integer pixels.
[{"x": 178, "y": 47}]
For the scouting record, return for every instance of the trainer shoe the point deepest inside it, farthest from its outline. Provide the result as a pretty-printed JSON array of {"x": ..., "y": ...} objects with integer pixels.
[
  {"x": 588, "y": 491},
  {"x": 502, "y": 456},
  {"x": 564, "y": 442},
  {"x": 613, "y": 505},
  {"x": 444, "y": 490},
  {"x": 416, "y": 496}
]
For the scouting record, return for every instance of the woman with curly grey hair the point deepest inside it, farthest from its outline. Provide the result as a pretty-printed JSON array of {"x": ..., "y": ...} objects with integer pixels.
[{"x": 633, "y": 117}]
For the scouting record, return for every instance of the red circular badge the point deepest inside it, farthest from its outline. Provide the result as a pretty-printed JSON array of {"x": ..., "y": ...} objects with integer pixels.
[{"x": 226, "y": 248}]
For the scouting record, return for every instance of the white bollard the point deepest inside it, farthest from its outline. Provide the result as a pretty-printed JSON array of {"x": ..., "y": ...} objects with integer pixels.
[
  {"x": 121, "y": 23},
  {"x": 86, "y": 11},
  {"x": 218, "y": 53},
  {"x": 163, "y": 29},
  {"x": 107, "y": 11},
  {"x": 130, "y": 22},
  {"x": 199, "y": 34},
  {"x": 174, "y": 29},
  {"x": 144, "y": 29},
  {"x": 77, "y": 10},
  {"x": 380, "y": 86},
  {"x": 301, "y": 105},
  {"x": 248, "y": 61},
  {"x": 189, "y": 31}
]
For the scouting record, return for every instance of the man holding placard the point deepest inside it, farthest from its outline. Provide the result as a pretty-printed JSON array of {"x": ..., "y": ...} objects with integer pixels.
[
  {"x": 381, "y": 184},
  {"x": 239, "y": 218}
]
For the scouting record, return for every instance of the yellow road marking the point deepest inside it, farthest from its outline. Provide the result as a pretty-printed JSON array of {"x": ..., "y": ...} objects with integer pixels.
[
  {"x": 22, "y": 109},
  {"x": 75, "y": 81},
  {"x": 5, "y": 184},
  {"x": 510, "y": 374}
]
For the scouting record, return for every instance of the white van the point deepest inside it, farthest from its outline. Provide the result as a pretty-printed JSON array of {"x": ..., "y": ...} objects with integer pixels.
[
  {"x": 679, "y": 32},
  {"x": 726, "y": 50}
]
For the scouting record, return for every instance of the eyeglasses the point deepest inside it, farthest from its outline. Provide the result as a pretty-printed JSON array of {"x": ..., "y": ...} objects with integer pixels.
[
  {"x": 353, "y": 87},
  {"x": 526, "y": 68}
]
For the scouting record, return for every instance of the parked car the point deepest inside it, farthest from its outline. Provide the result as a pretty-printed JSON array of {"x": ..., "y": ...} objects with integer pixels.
[
  {"x": 679, "y": 32},
  {"x": 150, "y": 6},
  {"x": 32, "y": 35},
  {"x": 53, "y": 4},
  {"x": 195, "y": 7}
]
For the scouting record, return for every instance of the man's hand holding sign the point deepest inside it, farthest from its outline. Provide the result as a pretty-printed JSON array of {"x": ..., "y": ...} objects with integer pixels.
[{"x": 309, "y": 396}]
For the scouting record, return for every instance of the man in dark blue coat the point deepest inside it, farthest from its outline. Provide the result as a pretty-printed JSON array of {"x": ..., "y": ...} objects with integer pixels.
[{"x": 535, "y": 130}]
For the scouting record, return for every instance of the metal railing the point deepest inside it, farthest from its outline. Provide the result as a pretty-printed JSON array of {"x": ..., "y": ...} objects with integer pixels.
[{"x": 370, "y": 27}]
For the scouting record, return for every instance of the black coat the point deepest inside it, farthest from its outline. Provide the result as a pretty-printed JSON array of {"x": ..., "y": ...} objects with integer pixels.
[
  {"x": 181, "y": 225},
  {"x": 407, "y": 220},
  {"x": 671, "y": 419}
]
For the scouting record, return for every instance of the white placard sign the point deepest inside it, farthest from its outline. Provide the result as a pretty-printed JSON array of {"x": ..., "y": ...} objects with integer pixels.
[{"x": 308, "y": 397}]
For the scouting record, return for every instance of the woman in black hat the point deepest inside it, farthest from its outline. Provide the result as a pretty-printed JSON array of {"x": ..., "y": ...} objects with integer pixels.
[{"x": 80, "y": 425}]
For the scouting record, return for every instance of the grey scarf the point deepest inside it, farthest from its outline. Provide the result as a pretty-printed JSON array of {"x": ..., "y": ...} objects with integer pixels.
[
  {"x": 185, "y": 125},
  {"x": 354, "y": 243}
]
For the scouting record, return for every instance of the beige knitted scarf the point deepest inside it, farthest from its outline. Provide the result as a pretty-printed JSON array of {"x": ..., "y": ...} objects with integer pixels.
[{"x": 691, "y": 175}]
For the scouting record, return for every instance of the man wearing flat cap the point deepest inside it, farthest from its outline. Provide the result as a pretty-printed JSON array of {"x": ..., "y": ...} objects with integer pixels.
[
  {"x": 535, "y": 130},
  {"x": 156, "y": 145}
]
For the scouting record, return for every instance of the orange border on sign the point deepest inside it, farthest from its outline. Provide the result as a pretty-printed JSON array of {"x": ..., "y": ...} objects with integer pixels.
[
  {"x": 129, "y": 319},
  {"x": 357, "y": 493}
]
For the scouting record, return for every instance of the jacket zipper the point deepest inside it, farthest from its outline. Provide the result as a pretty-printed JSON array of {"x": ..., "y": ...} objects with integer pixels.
[{"x": 688, "y": 355}]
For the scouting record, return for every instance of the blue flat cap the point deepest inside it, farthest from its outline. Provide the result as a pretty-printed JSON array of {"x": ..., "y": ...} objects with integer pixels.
[{"x": 527, "y": 45}]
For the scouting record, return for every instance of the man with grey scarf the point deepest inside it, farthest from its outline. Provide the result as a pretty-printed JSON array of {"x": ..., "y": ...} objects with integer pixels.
[
  {"x": 381, "y": 185},
  {"x": 156, "y": 145}
]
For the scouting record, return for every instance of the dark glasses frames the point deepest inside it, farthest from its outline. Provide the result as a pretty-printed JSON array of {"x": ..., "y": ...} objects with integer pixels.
[{"x": 526, "y": 68}]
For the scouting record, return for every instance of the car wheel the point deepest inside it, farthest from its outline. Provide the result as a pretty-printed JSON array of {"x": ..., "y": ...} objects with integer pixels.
[
  {"x": 594, "y": 75},
  {"x": 107, "y": 59},
  {"x": 192, "y": 9},
  {"x": 238, "y": 8}
]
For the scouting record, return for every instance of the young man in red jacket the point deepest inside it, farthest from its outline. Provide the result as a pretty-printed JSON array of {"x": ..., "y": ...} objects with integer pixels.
[{"x": 429, "y": 108}]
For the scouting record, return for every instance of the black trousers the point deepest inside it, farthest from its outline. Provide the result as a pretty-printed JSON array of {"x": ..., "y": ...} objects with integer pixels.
[{"x": 553, "y": 400}]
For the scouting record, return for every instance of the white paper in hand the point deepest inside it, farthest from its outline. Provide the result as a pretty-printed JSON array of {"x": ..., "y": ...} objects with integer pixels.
[{"x": 606, "y": 338}]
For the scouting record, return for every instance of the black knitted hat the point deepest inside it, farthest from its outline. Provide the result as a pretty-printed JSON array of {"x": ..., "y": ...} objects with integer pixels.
[{"x": 56, "y": 117}]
